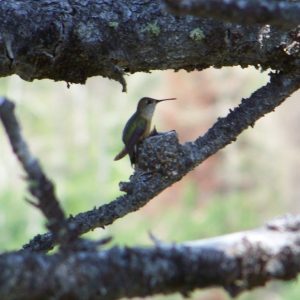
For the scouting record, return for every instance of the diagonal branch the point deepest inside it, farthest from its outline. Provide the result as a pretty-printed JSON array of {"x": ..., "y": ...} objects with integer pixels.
[
  {"x": 284, "y": 14},
  {"x": 261, "y": 102},
  {"x": 163, "y": 161},
  {"x": 40, "y": 187},
  {"x": 236, "y": 262}
]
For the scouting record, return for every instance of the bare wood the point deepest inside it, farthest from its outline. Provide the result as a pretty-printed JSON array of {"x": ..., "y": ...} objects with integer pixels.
[{"x": 236, "y": 262}]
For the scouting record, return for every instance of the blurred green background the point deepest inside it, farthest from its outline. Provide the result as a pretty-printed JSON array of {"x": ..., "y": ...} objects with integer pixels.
[{"x": 76, "y": 132}]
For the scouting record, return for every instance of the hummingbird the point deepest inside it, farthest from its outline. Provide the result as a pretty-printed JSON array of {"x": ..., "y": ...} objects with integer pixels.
[{"x": 138, "y": 127}]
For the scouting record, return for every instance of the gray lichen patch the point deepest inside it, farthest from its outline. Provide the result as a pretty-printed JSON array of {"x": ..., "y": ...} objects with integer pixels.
[
  {"x": 113, "y": 24},
  {"x": 152, "y": 28},
  {"x": 197, "y": 34}
]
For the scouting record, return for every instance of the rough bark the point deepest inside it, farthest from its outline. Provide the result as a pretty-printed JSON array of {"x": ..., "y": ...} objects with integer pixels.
[
  {"x": 163, "y": 161},
  {"x": 237, "y": 262},
  {"x": 73, "y": 40}
]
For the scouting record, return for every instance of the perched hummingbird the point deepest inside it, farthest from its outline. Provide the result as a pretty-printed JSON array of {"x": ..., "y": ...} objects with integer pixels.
[{"x": 138, "y": 127}]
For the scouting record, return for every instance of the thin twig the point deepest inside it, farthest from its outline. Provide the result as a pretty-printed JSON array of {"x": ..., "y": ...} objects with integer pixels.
[{"x": 163, "y": 161}]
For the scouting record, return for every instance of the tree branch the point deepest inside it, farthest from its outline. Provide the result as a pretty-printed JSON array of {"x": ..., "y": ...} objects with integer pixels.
[
  {"x": 284, "y": 14},
  {"x": 237, "y": 262},
  {"x": 74, "y": 40},
  {"x": 163, "y": 161},
  {"x": 40, "y": 187}
]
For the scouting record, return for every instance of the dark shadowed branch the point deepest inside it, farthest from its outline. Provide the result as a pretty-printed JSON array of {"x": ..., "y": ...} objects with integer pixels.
[
  {"x": 236, "y": 262},
  {"x": 284, "y": 14},
  {"x": 163, "y": 161},
  {"x": 74, "y": 40}
]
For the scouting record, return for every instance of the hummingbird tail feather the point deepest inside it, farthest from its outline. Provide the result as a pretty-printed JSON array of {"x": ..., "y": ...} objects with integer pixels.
[{"x": 121, "y": 154}]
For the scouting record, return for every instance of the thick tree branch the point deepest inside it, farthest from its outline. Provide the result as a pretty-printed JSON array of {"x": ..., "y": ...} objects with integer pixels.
[
  {"x": 73, "y": 40},
  {"x": 236, "y": 262},
  {"x": 163, "y": 161},
  {"x": 283, "y": 14},
  {"x": 40, "y": 187}
]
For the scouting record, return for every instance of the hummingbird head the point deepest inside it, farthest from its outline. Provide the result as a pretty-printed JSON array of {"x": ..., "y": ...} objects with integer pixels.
[{"x": 146, "y": 106}]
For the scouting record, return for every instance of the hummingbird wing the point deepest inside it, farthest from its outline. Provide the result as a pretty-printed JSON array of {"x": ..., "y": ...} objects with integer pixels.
[{"x": 132, "y": 134}]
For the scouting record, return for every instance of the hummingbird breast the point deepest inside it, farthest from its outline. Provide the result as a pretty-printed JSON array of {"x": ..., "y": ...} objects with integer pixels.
[{"x": 147, "y": 130}]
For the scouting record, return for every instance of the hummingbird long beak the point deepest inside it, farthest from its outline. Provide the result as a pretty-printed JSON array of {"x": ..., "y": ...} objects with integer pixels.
[{"x": 165, "y": 99}]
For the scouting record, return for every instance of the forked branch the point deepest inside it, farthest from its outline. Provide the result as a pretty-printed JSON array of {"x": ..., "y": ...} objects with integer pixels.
[
  {"x": 163, "y": 161},
  {"x": 39, "y": 185}
]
